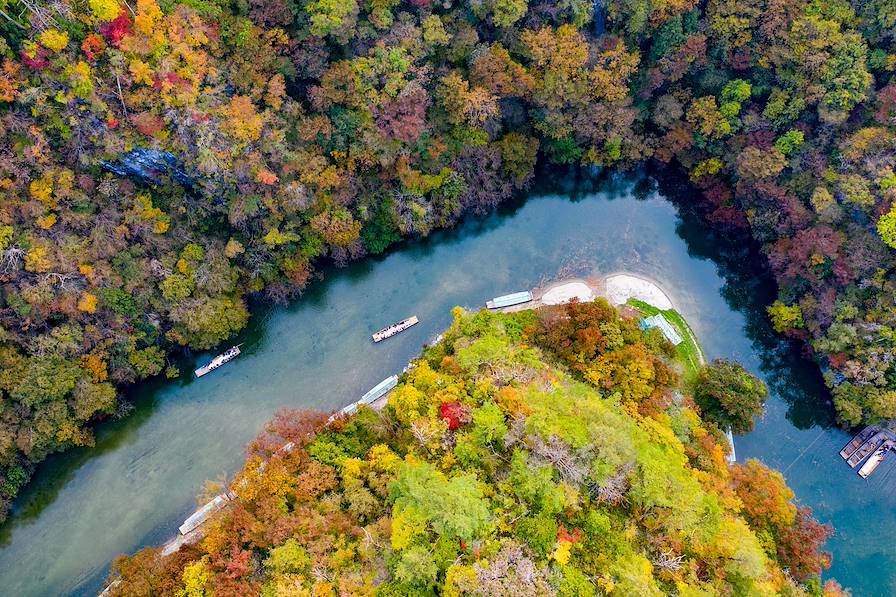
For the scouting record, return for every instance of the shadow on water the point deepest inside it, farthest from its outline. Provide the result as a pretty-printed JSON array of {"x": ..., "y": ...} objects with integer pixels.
[
  {"x": 57, "y": 470},
  {"x": 748, "y": 289}
]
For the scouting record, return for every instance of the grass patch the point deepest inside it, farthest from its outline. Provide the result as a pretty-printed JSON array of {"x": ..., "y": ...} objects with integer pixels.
[{"x": 689, "y": 352}]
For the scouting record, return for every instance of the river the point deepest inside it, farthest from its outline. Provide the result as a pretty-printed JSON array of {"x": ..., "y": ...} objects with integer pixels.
[{"x": 86, "y": 506}]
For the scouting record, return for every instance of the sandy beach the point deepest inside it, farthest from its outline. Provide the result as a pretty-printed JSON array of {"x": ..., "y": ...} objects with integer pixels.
[{"x": 619, "y": 288}]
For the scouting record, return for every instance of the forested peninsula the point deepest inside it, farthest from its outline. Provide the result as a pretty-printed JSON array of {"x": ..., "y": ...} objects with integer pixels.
[
  {"x": 163, "y": 161},
  {"x": 538, "y": 453}
]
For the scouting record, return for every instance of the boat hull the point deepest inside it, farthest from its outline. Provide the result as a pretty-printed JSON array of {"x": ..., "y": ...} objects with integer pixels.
[
  {"x": 867, "y": 448},
  {"x": 509, "y": 300},
  {"x": 875, "y": 459}
]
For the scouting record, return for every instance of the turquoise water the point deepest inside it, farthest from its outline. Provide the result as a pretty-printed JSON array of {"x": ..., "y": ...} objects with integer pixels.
[{"x": 140, "y": 482}]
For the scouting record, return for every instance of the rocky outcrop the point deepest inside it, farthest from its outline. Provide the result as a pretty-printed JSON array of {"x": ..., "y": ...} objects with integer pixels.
[{"x": 151, "y": 166}]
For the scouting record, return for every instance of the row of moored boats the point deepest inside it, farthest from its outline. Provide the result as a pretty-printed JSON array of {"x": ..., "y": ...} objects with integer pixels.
[
  {"x": 195, "y": 520},
  {"x": 872, "y": 443}
]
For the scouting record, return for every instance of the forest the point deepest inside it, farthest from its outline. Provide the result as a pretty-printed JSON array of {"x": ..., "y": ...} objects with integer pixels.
[
  {"x": 162, "y": 162},
  {"x": 547, "y": 453}
]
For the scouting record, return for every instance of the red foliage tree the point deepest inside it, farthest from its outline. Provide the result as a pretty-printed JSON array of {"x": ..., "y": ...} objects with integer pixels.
[
  {"x": 288, "y": 425},
  {"x": 455, "y": 413},
  {"x": 92, "y": 46},
  {"x": 799, "y": 545},
  {"x": 114, "y": 31},
  {"x": 38, "y": 61}
]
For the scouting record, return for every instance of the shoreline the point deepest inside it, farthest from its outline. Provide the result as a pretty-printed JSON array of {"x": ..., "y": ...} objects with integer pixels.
[{"x": 617, "y": 288}]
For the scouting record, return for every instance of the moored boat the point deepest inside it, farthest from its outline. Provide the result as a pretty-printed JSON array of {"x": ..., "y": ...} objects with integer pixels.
[
  {"x": 875, "y": 459},
  {"x": 372, "y": 395},
  {"x": 201, "y": 515},
  {"x": 867, "y": 448},
  {"x": 379, "y": 389},
  {"x": 395, "y": 328},
  {"x": 507, "y": 300},
  {"x": 856, "y": 442},
  {"x": 222, "y": 359}
]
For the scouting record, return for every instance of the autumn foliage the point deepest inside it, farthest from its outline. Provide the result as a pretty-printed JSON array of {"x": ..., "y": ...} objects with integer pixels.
[
  {"x": 493, "y": 471},
  {"x": 195, "y": 154}
]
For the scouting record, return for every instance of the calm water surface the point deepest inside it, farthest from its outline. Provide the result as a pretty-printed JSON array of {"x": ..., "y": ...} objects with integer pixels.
[{"x": 139, "y": 483}]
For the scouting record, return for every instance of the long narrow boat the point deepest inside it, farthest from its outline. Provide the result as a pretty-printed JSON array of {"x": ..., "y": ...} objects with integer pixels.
[
  {"x": 867, "y": 448},
  {"x": 379, "y": 390},
  {"x": 199, "y": 516},
  {"x": 372, "y": 395},
  {"x": 222, "y": 359},
  {"x": 875, "y": 459},
  {"x": 395, "y": 328},
  {"x": 507, "y": 300},
  {"x": 856, "y": 442}
]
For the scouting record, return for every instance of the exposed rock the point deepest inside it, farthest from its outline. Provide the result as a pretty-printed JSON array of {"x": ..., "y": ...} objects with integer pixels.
[{"x": 149, "y": 165}]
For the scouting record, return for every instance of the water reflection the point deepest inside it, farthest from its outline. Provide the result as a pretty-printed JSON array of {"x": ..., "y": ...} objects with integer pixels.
[{"x": 748, "y": 289}]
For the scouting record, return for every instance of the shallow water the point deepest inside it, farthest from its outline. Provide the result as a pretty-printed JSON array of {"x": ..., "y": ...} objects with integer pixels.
[{"x": 139, "y": 483}]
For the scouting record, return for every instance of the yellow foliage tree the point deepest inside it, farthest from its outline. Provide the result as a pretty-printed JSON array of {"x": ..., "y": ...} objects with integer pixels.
[
  {"x": 242, "y": 119},
  {"x": 561, "y": 552},
  {"x": 87, "y": 303},
  {"x": 104, "y": 10},
  {"x": 95, "y": 366},
  {"x": 141, "y": 72},
  {"x": 148, "y": 14},
  {"x": 42, "y": 190},
  {"x": 46, "y": 222},
  {"x": 195, "y": 577},
  {"x": 38, "y": 260},
  {"x": 233, "y": 248},
  {"x": 54, "y": 40},
  {"x": 407, "y": 525}
]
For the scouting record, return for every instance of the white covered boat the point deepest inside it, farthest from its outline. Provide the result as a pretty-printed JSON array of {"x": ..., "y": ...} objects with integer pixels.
[{"x": 222, "y": 359}]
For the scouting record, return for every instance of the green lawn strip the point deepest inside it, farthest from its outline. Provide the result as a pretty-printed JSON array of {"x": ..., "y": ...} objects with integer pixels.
[{"x": 689, "y": 351}]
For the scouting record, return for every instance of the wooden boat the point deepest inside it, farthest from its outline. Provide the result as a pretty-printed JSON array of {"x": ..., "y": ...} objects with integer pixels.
[
  {"x": 875, "y": 459},
  {"x": 395, "y": 328},
  {"x": 856, "y": 442},
  {"x": 867, "y": 448},
  {"x": 222, "y": 359}
]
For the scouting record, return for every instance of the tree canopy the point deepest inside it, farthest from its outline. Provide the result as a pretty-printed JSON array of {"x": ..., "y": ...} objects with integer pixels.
[
  {"x": 163, "y": 162},
  {"x": 729, "y": 395}
]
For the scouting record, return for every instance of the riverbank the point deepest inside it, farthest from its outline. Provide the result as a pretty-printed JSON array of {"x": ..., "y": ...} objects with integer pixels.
[
  {"x": 139, "y": 483},
  {"x": 620, "y": 289},
  {"x": 525, "y": 381},
  {"x": 645, "y": 296}
]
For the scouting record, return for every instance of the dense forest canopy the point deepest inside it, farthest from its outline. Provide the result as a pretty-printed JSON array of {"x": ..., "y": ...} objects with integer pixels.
[
  {"x": 537, "y": 454},
  {"x": 161, "y": 161}
]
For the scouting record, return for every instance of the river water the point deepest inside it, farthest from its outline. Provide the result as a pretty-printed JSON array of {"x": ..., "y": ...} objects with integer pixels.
[{"x": 86, "y": 506}]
